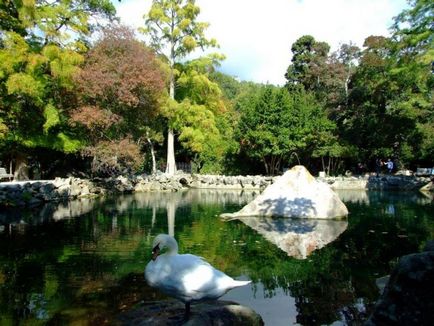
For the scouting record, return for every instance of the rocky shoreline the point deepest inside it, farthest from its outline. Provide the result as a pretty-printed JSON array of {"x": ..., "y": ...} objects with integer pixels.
[{"x": 32, "y": 193}]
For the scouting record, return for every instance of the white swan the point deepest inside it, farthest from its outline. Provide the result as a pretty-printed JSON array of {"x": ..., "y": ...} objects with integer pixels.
[{"x": 186, "y": 277}]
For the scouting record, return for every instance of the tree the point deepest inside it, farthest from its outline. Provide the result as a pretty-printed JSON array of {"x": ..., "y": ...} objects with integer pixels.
[
  {"x": 340, "y": 68},
  {"x": 202, "y": 118},
  {"x": 175, "y": 32},
  {"x": 38, "y": 57},
  {"x": 277, "y": 124},
  {"x": 391, "y": 103},
  {"x": 308, "y": 65},
  {"x": 378, "y": 121},
  {"x": 413, "y": 68},
  {"x": 348, "y": 55},
  {"x": 120, "y": 90}
]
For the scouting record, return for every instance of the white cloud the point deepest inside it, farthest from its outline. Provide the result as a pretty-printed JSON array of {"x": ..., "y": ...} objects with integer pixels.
[{"x": 256, "y": 35}]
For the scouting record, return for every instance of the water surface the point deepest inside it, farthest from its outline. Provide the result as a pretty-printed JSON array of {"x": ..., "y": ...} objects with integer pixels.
[{"x": 82, "y": 262}]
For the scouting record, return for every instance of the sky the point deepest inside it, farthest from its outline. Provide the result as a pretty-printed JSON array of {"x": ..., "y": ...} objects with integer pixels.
[{"x": 256, "y": 35}]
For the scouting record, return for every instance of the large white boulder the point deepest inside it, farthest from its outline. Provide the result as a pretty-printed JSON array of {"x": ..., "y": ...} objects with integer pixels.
[{"x": 295, "y": 194}]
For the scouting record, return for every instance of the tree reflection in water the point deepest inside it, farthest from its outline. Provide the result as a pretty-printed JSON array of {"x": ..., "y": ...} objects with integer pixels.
[{"x": 83, "y": 261}]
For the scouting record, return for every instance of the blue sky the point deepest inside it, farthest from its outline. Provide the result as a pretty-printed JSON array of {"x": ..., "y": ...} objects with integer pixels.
[{"x": 256, "y": 35}]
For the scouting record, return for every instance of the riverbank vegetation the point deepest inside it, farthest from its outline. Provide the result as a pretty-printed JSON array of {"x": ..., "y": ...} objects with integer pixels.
[{"x": 77, "y": 96}]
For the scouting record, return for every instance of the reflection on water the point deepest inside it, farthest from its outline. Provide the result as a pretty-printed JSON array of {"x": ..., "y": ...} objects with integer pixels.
[
  {"x": 353, "y": 196},
  {"x": 49, "y": 211},
  {"x": 297, "y": 237},
  {"x": 82, "y": 262},
  {"x": 365, "y": 197},
  {"x": 155, "y": 200}
]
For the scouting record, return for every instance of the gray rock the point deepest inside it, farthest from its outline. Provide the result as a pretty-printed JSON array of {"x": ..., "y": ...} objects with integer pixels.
[
  {"x": 295, "y": 194},
  {"x": 408, "y": 298},
  {"x": 171, "y": 313},
  {"x": 84, "y": 191},
  {"x": 75, "y": 190},
  {"x": 64, "y": 190}
]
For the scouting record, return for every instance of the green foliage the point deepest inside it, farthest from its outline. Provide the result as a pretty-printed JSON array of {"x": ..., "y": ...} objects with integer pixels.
[
  {"x": 174, "y": 32},
  {"x": 3, "y": 129},
  {"x": 196, "y": 124},
  {"x": 174, "y": 23},
  {"x": 52, "y": 117},
  {"x": 200, "y": 115},
  {"x": 343, "y": 106},
  {"x": 389, "y": 99},
  {"x": 381, "y": 98},
  {"x": 308, "y": 65},
  {"x": 41, "y": 49},
  {"x": 64, "y": 66},
  {"x": 413, "y": 32},
  {"x": 23, "y": 84},
  {"x": 62, "y": 142},
  {"x": 412, "y": 54},
  {"x": 277, "y": 124}
]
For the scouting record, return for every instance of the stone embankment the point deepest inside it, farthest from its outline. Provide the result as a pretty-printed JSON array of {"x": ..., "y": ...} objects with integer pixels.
[
  {"x": 29, "y": 193},
  {"x": 382, "y": 182}
]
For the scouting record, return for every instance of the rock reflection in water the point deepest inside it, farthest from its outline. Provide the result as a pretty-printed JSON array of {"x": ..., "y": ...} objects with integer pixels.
[
  {"x": 297, "y": 237},
  {"x": 353, "y": 196}
]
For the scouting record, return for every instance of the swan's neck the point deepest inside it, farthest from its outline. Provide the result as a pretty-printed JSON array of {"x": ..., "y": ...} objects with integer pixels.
[{"x": 172, "y": 246}]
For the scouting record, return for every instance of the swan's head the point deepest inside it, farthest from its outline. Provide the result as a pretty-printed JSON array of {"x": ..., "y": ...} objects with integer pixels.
[{"x": 162, "y": 241}]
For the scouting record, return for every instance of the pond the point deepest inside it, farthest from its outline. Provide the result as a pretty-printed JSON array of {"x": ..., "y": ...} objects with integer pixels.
[{"x": 82, "y": 262}]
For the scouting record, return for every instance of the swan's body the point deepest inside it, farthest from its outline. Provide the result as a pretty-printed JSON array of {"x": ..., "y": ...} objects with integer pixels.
[{"x": 186, "y": 277}]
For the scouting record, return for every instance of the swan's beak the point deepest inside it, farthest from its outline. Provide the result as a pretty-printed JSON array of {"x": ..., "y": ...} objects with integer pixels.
[{"x": 155, "y": 252}]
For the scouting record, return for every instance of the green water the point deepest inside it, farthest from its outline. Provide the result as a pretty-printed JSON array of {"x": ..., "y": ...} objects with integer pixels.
[{"x": 82, "y": 262}]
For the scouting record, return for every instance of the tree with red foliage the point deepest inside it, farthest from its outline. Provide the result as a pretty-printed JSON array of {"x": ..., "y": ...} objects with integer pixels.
[{"x": 119, "y": 91}]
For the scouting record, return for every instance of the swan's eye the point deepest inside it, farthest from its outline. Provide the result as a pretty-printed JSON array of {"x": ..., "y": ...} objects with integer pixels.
[
  {"x": 155, "y": 252},
  {"x": 156, "y": 248}
]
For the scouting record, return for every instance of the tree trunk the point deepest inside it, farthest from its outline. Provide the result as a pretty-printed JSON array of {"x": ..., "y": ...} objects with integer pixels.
[
  {"x": 154, "y": 161},
  {"x": 21, "y": 169},
  {"x": 266, "y": 165},
  {"x": 347, "y": 82},
  {"x": 171, "y": 163},
  {"x": 275, "y": 165}
]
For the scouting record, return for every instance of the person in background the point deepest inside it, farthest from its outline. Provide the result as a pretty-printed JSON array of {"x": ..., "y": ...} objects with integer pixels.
[
  {"x": 389, "y": 165},
  {"x": 378, "y": 165}
]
